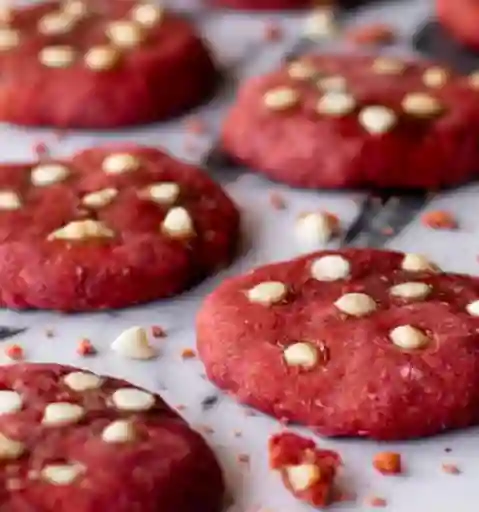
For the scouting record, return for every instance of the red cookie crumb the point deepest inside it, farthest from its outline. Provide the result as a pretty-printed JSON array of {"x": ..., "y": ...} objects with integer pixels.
[
  {"x": 196, "y": 126},
  {"x": 451, "y": 469},
  {"x": 157, "y": 331},
  {"x": 188, "y": 353},
  {"x": 272, "y": 31},
  {"x": 244, "y": 458},
  {"x": 376, "y": 501},
  {"x": 307, "y": 471},
  {"x": 388, "y": 463},
  {"x": 14, "y": 352},
  {"x": 373, "y": 34},
  {"x": 85, "y": 348},
  {"x": 439, "y": 219},
  {"x": 277, "y": 201}
]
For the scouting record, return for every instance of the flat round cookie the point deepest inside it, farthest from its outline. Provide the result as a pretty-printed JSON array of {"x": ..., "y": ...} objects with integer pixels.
[
  {"x": 356, "y": 342},
  {"x": 91, "y": 64},
  {"x": 331, "y": 121},
  {"x": 460, "y": 18},
  {"x": 72, "y": 440},
  {"x": 112, "y": 227}
]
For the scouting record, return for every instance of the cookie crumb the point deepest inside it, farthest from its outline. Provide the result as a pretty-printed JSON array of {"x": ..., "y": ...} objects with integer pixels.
[
  {"x": 188, "y": 353},
  {"x": 388, "y": 463},
  {"x": 181, "y": 407},
  {"x": 376, "y": 501},
  {"x": 272, "y": 32},
  {"x": 157, "y": 331},
  {"x": 387, "y": 231},
  {"x": 377, "y": 34},
  {"x": 206, "y": 429},
  {"x": 451, "y": 469},
  {"x": 277, "y": 201},
  {"x": 49, "y": 333},
  {"x": 195, "y": 126},
  {"x": 238, "y": 433},
  {"x": 14, "y": 352},
  {"x": 244, "y": 458},
  {"x": 448, "y": 450},
  {"x": 41, "y": 150},
  {"x": 439, "y": 219},
  {"x": 85, "y": 348}
]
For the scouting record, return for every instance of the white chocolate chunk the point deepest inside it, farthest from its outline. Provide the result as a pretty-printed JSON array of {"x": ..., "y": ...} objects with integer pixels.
[
  {"x": 473, "y": 308},
  {"x": 435, "y": 76},
  {"x": 178, "y": 223},
  {"x": 100, "y": 198},
  {"x": 303, "y": 476},
  {"x": 301, "y": 354},
  {"x": 474, "y": 80},
  {"x": 388, "y": 66},
  {"x": 82, "y": 230},
  {"x": 82, "y": 381},
  {"x": 163, "y": 193},
  {"x": 335, "y": 103},
  {"x": 61, "y": 474},
  {"x": 320, "y": 24},
  {"x": 48, "y": 174},
  {"x": 56, "y": 23},
  {"x": 268, "y": 293},
  {"x": 10, "y": 401},
  {"x": 356, "y": 304},
  {"x": 57, "y": 56},
  {"x": 102, "y": 58},
  {"x": 281, "y": 98},
  {"x": 62, "y": 413},
  {"x": 333, "y": 83},
  {"x": 120, "y": 431},
  {"x": 411, "y": 290},
  {"x": 417, "y": 263},
  {"x": 420, "y": 104},
  {"x": 9, "y": 200},
  {"x": 133, "y": 343},
  {"x": 9, "y": 38},
  {"x": 408, "y": 337},
  {"x": 330, "y": 268},
  {"x": 377, "y": 119},
  {"x": 74, "y": 8},
  {"x": 313, "y": 230},
  {"x": 6, "y": 13},
  {"x": 118, "y": 163},
  {"x": 10, "y": 449},
  {"x": 147, "y": 14},
  {"x": 131, "y": 399},
  {"x": 125, "y": 34},
  {"x": 301, "y": 70}
]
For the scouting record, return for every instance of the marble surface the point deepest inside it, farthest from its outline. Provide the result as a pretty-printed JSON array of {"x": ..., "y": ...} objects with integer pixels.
[{"x": 239, "y": 43}]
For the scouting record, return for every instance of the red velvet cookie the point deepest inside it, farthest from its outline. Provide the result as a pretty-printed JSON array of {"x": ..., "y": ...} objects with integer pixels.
[
  {"x": 351, "y": 343},
  {"x": 92, "y": 64},
  {"x": 461, "y": 19},
  {"x": 349, "y": 121},
  {"x": 73, "y": 441},
  {"x": 307, "y": 472},
  {"x": 112, "y": 227}
]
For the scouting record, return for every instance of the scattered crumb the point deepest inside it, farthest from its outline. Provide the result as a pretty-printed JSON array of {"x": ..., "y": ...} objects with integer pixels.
[
  {"x": 157, "y": 331},
  {"x": 448, "y": 450},
  {"x": 237, "y": 433},
  {"x": 195, "y": 126},
  {"x": 206, "y": 429},
  {"x": 341, "y": 496},
  {"x": 14, "y": 352},
  {"x": 85, "y": 348},
  {"x": 376, "y": 501},
  {"x": 250, "y": 413},
  {"x": 388, "y": 463},
  {"x": 244, "y": 458},
  {"x": 188, "y": 353},
  {"x": 387, "y": 231},
  {"x": 451, "y": 469},
  {"x": 372, "y": 34},
  {"x": 181, "y": 407},
  {"x": 277, "y": 201},
  {"x": 49, "y": 333},
  {"x": 272, "y": 31},
  {"x": 40, "y": 150},
  {"x": 439, "y": 219}
]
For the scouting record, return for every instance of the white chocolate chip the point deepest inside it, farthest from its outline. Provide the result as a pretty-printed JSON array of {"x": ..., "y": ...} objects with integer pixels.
[
  {"x": 147, "y": 14},
  {"x": 82, "y": 230},
  {"x": 102, "y": 58},
  {"x": 57, "y": 56},
  {"x": 9, "y": 38},
  {"x": 74, "y": 8},
  {"x": 411, "y": 290},
  {"x": 125, "y": 34},
  {"x": 330, "y": 268},
  {"x": 313, "y": 230},
  {"x": 178, "y": 223},
  {"x": 281, "y": 98},
  {"x": 474, "y": 80},
  {"x": 163, "y": 193},
  {"x": 417, "y": 263},
  {"x": 120, "y": 431},
  {"x": 118, "y": 163},
  {"x": 267, "y": 293},
  {"x": 435, "y": 76},
  {"x": 62, "y": 413},
  {"x": 10, "y": 449},
  {"x": 301, "y": 70},
  {"x": 335, "y": 103},
  {"x": 388, "y": 66},
  {"x": 131, "y": 399},
  {"x": 320, "y": 24},
  {"x": 10, "y": 401},
  {"x": 100, "y": 198},
  {"x": 473, "y": 308},
  {"x": 6, "y": 14},
  {"x": 48, "y": 174},
  {"x": 333, "y": 83},
  {"x": 82, "y": 381},
  {"x": 133, "y": 343},
  {"x": 421, "y": 105},
  {"x": 56, "y": 23},
  {"x": 356, "y": 304},
  {"x": 303, "y": 476},
  {"x": 301, "y": 354},
  {"x": 61, "y": 474},
  {"x": 9, "y": 200},
  {"x": 377, "y": 119},
  {"x": 408, "y": 337}
]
